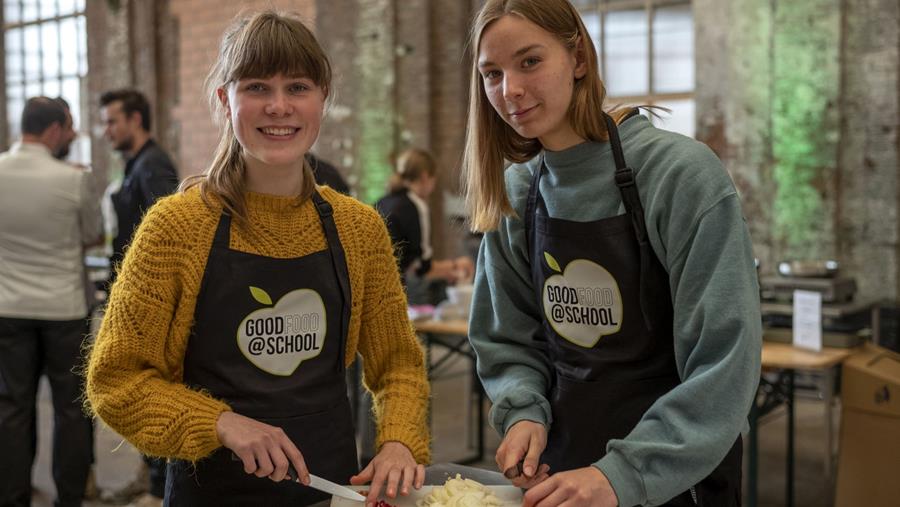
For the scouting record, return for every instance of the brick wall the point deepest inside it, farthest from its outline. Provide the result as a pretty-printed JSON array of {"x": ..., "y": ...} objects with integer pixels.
[{"x": 743, "y": 56}]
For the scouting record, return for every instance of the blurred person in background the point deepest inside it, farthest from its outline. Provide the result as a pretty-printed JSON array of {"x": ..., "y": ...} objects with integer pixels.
[
  {"x": 326, "y": 173},
  {"x": 149, "y": 171},
  {"x": 149, "y": 175},
  {"x": 408, "y": 218},
  {"x": 91, "y": 491},
  {"x": 48, "y": 214}
]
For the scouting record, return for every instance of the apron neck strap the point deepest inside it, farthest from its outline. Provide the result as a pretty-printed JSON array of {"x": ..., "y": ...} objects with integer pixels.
[
  {"x": 222, "y": 238},
  {"x": 625, "y": 181},
  {"x": 338, "y": 262}
]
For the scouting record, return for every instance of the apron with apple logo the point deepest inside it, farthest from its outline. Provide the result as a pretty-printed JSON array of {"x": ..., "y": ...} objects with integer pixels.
[
  {"x": 269, "y": 339},
  {"x": 607, "y": 316}
]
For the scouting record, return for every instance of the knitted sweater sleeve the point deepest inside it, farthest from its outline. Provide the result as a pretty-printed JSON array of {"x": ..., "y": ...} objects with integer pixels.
[
  {"x": 393, "y": 360},
  {"x": 134, "y": 371}
]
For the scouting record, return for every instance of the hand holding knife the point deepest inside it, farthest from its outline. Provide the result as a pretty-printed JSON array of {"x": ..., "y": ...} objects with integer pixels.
[
  {"x": 319, "y": 483},
  {"x": 516, "y": 474},
  {"x": 514, "y": 471}
]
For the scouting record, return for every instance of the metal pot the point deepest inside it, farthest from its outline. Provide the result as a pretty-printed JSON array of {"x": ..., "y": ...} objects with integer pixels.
[{"x": 809, "y": 269}]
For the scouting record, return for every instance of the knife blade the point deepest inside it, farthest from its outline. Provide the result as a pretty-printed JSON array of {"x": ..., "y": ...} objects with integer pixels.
[
  {"x": 319, "y": 483},
  {"x": 335, "y": 489}
]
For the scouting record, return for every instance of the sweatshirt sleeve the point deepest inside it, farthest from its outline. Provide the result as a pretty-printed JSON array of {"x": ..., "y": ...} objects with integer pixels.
[
  {"x": 130, "y": 383},
  {"x": 504, "y": 325},
  {"x": 717, "y": 327},
  {"x": 393, "y": 360}
]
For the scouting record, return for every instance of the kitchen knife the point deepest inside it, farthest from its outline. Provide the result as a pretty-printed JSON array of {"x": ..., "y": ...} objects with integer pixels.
[
  {"x": 319, "y": 483},
  {"x": 335, "y": 489}
]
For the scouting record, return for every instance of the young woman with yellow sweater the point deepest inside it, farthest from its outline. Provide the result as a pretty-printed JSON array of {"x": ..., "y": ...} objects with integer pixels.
[{"x": 244, "y": 297}]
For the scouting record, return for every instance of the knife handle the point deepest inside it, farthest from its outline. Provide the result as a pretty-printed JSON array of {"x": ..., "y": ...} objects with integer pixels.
[
  {"x": 514, "y": 471},
  {"x": 291, "y": 475}
]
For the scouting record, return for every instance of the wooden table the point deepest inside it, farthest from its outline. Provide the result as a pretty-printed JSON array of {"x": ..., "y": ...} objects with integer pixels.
[
  {"x": 787, "y": 360},
  {"x": 445, "y": 327},
  {"x": 453, "y": 335}
]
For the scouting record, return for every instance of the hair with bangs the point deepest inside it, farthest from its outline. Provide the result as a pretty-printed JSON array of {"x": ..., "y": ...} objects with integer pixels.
[
  {"x": 259, "y": 45},
  {"x": 490, "y": 141}
]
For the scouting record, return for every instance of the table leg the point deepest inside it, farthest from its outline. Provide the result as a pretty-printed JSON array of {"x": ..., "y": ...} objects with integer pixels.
[
  {"x": 828, "y": 395},
  {"x": 789, "y": 473}
]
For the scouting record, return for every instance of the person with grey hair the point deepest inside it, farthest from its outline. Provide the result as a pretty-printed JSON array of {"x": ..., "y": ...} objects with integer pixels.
[{"x": 47, "y": 215}]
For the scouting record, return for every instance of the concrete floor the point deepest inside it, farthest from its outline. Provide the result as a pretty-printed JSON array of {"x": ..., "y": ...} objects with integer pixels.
[{"x": 117, "y": 461}]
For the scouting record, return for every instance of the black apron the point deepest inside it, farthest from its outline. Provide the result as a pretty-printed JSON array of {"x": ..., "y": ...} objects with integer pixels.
[
  {"x": 269, "y": 339},
  {"x": 607, "y": 315}
]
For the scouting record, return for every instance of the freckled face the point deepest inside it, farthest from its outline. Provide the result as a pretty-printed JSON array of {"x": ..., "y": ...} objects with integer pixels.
[
  {"x": 277, "y": 119},
  {"x": 528, "y": 76}
]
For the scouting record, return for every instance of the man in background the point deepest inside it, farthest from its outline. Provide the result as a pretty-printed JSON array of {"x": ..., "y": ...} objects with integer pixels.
[
  {"x": 149, "y": 175},
  {"x": 149, "y": 172},
  {"x": 48, "y": 214}
]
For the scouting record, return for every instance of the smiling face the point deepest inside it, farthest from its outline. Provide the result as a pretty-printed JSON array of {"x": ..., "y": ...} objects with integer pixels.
[
  {"x": 528, "y": 76},
  {"x": 276, "y": 119}
]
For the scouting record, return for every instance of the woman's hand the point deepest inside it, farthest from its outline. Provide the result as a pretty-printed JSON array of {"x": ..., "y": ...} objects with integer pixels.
[
  {"x": 265, "y": 450},
  {"x": 524, "y": 441},
  {"x": 575, "y": 488},
  {"x": 394, "y": 464}
]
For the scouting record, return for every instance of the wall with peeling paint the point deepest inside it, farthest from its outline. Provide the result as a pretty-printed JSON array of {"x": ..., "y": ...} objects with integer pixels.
[{"x": 800, "y": 100}]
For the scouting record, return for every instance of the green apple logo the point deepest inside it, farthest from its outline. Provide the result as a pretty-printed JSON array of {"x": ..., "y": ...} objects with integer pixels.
[
  {"x": 277, "y": 339},
  {"x": 582, "y": 304}
]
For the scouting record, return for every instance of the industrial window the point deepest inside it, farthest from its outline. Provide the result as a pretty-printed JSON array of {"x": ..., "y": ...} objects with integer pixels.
[
  {"x": 646, "y": 53},
  {"x": 46, "y": 54}
]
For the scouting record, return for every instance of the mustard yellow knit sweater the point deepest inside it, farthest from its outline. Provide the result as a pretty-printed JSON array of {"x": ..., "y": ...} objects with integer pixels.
[{"x": 135, "y": 370}]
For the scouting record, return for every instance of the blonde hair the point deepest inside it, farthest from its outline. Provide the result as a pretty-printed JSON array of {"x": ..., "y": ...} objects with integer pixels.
[
  {"x": 260, "y": 45},
  {"x": 490, "y": 141},
  {"x": 412, "y": 164}
]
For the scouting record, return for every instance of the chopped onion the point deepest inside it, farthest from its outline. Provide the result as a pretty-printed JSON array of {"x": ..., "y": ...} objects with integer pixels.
[{"x": 459, "y": 492}]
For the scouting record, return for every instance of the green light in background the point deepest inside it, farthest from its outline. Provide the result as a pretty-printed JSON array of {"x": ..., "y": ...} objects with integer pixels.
[
  {"x": 375, "y": 113},
  {"x": 806, "y": 83}
]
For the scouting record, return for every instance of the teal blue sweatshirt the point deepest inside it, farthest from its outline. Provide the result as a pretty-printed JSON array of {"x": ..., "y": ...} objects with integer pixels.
[{"x": 696, "y": 228}]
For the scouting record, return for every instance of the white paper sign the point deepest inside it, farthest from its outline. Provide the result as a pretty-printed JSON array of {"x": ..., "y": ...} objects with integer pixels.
[{"x": 808, "y": 319}]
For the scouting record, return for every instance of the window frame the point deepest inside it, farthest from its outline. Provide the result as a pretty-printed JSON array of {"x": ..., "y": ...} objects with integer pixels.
[
  {"x": 601, "y": 8},
  {"x": 22, "y": 81}
]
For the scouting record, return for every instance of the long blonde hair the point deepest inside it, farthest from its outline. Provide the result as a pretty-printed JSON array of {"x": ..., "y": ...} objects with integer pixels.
[
  {"x": 256, "y": 46},
  {"x": 412, "y": 164},
  {"x": 490, "y": 141}
]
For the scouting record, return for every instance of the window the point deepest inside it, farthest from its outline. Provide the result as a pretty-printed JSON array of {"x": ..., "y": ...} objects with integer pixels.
[
  {"x": 46, "y": 54},
  {"x": 646, "y": 52}
]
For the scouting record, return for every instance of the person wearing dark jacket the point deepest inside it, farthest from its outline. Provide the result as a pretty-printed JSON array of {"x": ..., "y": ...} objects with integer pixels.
[
  {"x": 149, "y": 175},
  {"x": 149, "y": 172},
  {"x": 408, "y": 218}
]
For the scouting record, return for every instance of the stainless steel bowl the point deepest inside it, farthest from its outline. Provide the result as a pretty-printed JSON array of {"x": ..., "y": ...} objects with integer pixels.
[{"x": 809, "y": 269}]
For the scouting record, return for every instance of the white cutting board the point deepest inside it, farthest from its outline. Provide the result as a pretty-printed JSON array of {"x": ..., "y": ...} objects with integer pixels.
[{"x": 508, "y": 496}]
